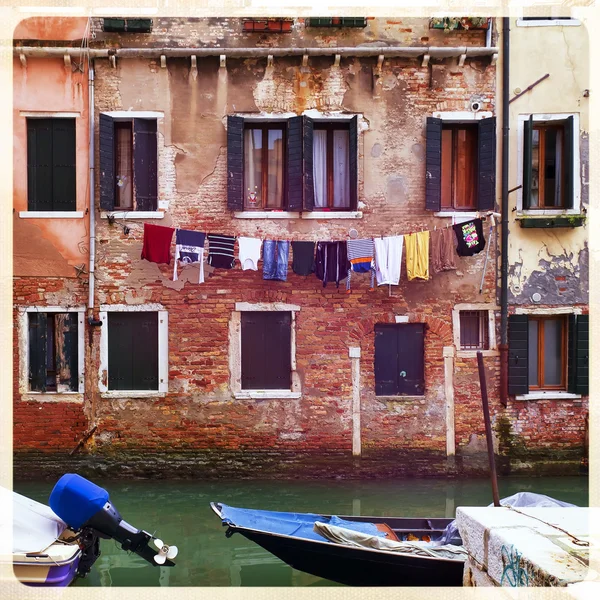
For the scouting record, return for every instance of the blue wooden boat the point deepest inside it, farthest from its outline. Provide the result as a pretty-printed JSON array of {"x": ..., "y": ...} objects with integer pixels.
[{"x": 292, "y": 538}]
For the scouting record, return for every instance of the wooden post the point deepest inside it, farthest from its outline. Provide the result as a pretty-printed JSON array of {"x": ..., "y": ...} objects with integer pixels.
[{"x": 488, "y": 428}]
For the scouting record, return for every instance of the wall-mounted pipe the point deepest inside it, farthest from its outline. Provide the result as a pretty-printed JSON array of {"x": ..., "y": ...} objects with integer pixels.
[
  {"x": 92, "y": 191},
  {"x": 388, "y": 51}
]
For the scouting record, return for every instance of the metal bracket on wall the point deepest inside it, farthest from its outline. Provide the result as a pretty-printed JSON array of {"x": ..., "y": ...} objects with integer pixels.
[
  {"x": 76, "y": 66},
  {"x": 426, "y": 58},
  {"x": 529, "y": 87},
  {"x": 23, "y": 60},
  {"x": 163, "y": 61},
  {"x": 112, "y": 59},
  {"x": 67, "y": 60},
  {"x": 494, "y": 59},
  {"x": 461, "y": 60}
]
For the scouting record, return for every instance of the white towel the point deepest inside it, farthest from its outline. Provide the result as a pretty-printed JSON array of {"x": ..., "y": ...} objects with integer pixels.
[
  {"x": 388, "y": 258},
  {"x": 249, "y": 253}
]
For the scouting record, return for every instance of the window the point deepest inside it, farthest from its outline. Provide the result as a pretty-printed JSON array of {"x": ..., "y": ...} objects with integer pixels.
[
  {"x": 331, "y": 166},
  {"x": 474, "y": 330},
  {"x": 51, "y": 178},
  {"x": 53, "y": 351},
  {"x": 545, "y": 18},
  {"x": 264, "y": 145},
  {"x": 548, "y": 353},
  {"x": 301, "y": 164},
  {"x": 548, "y": 164},
  {"x": 336, "y": 22},
  {"x": 460, "y": 165},
  {"x": 128, "y": 163},
  {"x": 133, "y": 350},
  {"x": 266, "y": 350},
  {"x": 400, "y": 359}
]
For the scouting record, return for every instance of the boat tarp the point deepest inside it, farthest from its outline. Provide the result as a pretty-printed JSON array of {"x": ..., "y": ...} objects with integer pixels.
[
  {"x": 341, "y": 535},
  {"x": 297, "y": 524},
  {"x": 35, "y": 526}
]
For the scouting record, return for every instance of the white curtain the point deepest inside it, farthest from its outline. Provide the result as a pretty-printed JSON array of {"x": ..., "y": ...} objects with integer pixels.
[
  {"x": 341, "y": 170},
  {"x": 320, "y": 167},
  {"x": 275, "y": 169},
  {"x": 252, "y": 148}
]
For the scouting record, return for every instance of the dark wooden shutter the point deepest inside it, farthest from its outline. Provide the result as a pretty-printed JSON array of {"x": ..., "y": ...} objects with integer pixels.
[
  {"x": 518, "y": 349},
  {"x": 266, "y": 350},
  {"x": 353, "y": 161},
  {"x": 107, "y": 162},
  {"x": 37, "y": 351},
  {"x": 39, "y": 164},
  {"x": 527, "y": 161},
  {"x": 235, "y": 163},
  {"x": 569, "y": 163},
  {"x": 294, "y": 164},
  {"x": 433, "y": 164},
  {"x": 63, "y": 165},
  {"x": 486, "y": 165},
  {"x": 309, "y": 179},
  {"x": 411, "y": 359},
  {"x": 145, "y": 164},
  {"x": 578, "y": 356},
  {"x": 67, "y": 356},
  {"x": 120, "y": 352},
  {"x": 145, "y": 344},
  {"x": 386, "y": 360}
]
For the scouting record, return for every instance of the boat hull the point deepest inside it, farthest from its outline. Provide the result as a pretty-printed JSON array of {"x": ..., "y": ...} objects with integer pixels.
[{"x": 48, "y": 575}]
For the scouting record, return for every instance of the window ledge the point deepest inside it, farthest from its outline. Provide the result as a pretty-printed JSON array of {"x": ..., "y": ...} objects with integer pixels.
[
  {"x": 133, "y": 214},
  {"x": 550, "y": 395},
  {"x": 267, "y": 394},
  {"x": 74, "y": 397},
  {"x": 549, "y": 23},
  {"x": 133, "y": 394},
  {"x": 463, "y": 214},
  {"x": 266, "y": 214},
  {"x": 332, "y": 214},
  {"x": 473, "y": 353},
  {"x": 550, "y": 221},
  {"x": 51, "y": 214},
  {"x": 400, "y": 398}
]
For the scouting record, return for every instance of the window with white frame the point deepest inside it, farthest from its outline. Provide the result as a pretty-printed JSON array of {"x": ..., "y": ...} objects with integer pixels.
[
  {"x": 52, "y": 350},
  {"x": 262, "y": 353},
  {"x": 133, "y": 350},
  {"x": 474, "y": 328},
  {"x": 549, "y": 163}
]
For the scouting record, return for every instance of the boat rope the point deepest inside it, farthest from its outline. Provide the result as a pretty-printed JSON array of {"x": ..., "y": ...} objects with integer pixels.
[{"x": 574, "y": 539}]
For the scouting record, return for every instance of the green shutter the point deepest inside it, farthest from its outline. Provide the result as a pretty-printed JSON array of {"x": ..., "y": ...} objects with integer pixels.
[
  {"x": 63, "y": 165},
  {"x": 518, "y": 349},
  {"x": 294, "y": 182},
  {"x": 309, "y": 179},
  {"x": 569, "y": 163},
  {"x": 433, "y": 164},
  {"x": 578, "y": 358},
  {"x": 37, "y": 352},
  {"x": 527, "y": 161}
]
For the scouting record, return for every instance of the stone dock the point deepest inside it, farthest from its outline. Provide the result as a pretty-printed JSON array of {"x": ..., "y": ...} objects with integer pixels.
[{"x": 530, "y": 547}]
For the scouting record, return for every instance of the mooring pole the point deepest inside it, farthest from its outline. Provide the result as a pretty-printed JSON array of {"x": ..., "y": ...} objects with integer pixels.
[{"x": 488, "y": 428}]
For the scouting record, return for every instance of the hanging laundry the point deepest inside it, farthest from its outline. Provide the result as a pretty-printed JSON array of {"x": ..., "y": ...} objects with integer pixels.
[
  {"x": 189, "y": 249},
  {"x": 417, "y": 255},
  {"x": 469, "y": 237},
  {"x": 442, "y": 250},
  {"x": 157, "y": 243},
  {"x": 249, "y": 253},
  {"x": 388, "y": 258},
  {"x": 331, "y": 263},
  {"x": 275, "y": 259},
  {"x": 303, "y": 260},
  {"x": 220, "y": 251},
  {"x": 360, "y": 255}
]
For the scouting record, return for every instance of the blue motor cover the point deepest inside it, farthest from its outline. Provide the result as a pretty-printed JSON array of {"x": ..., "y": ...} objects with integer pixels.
[{"x": 75, "y": 499}]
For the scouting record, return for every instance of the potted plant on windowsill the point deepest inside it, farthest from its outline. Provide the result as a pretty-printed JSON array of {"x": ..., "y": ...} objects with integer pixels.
[{"x": 451, "y": 23}]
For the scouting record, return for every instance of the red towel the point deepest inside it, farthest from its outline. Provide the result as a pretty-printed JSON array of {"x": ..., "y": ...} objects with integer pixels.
[{"x": 157, "y": 243}]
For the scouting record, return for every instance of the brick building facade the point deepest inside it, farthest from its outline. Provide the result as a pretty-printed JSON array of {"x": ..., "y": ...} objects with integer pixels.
[{"x": 185, "y": 404}]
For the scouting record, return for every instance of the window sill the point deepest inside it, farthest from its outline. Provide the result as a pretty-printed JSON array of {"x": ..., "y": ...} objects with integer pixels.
[
  {"x": 133, "y": 394},
  {"x": 473, "y": 353},
  {"x": 550, "y": 395},
  {"x": 51, "y": 214},
  {"x": 133, "y": 214},
  {"x": 332, "y": 214},
  {"x": 400, "y": 398},
  {"x": 266, "y": 214},
  {"x": 463, "y": 214},
  {"x": 73, "y": 397},
  {"x": 266, "y": 394},
  {"x": 549, "y": 23}
]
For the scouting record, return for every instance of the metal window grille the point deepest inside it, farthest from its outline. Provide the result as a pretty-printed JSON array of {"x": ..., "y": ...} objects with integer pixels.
[
  {"x": 336, "y": 22},
  {"x": 474, "y": 331}
]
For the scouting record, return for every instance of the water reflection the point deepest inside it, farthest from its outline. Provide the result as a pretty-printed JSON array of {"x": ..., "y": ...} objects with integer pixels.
[{"x": 178, "y": 512}]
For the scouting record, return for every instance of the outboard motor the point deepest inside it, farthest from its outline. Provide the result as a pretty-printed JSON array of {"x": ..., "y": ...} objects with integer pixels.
[{"x": 86, "y": 507}]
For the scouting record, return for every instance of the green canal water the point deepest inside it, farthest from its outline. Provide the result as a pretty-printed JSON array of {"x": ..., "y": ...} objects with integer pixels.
[{"x": 179, "y": 513}]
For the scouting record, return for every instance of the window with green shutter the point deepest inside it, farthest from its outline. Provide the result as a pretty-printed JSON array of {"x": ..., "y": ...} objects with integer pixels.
[{"x": 51, "y": 176}]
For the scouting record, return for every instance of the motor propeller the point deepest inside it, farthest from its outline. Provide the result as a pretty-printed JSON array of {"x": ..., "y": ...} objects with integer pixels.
[{"x": 164, "y": 552}]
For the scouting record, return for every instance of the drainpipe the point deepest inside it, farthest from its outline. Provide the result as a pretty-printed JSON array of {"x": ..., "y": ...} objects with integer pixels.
[
  {"x": 504, "y": 247},
  {"x": 92, "y": 192}
]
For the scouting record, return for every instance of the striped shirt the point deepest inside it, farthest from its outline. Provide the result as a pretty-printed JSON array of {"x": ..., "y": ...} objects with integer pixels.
[
  {"x": 220, "y": 251},
  {"x": 360, "y": 251}
]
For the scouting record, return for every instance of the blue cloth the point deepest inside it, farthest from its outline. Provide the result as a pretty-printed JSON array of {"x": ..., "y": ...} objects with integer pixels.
[
  {"x": 296, "y": 524},
  {"x": 75, "y": 499},
  {"x": 275, "y": 259}
]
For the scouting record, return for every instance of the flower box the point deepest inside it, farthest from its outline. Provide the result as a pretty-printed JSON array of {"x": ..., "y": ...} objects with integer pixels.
[
  {"x": 268, "y": 25},
  {"x": 462, "y": 23}
]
